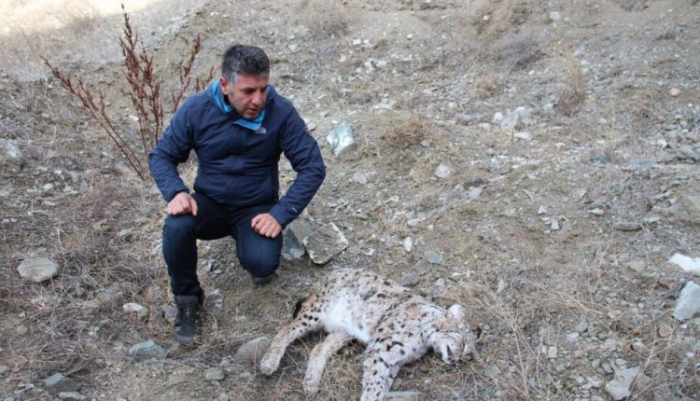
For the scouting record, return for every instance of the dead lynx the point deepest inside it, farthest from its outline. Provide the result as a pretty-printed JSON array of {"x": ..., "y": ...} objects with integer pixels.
[{"x": 396, "y": 326}]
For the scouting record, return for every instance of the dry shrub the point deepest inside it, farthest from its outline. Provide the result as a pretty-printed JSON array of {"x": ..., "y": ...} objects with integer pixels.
[
  {"x": 632, "y": 5},
  {"x": 403, "y": 130},
  {"x": 324, "y": 19},
  {"x": 83, "y": 19},
  {"x": 496, "y": 18},
  {"x": 642, "y": 117},
  {"x": 144, "y": 92},
  {"x": 69, "y": 33},
  {"x": 517, "y": 50},
  {"x": 487, "y": 85},
  {"x": 572, "y": 96}
]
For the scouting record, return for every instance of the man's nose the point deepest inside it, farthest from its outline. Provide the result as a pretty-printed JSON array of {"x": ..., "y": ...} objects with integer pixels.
[{"x": 258, "y": 98}]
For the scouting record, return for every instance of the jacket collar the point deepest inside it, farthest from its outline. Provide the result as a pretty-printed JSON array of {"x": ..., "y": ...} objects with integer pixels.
[{"x": 217, "y": 96}]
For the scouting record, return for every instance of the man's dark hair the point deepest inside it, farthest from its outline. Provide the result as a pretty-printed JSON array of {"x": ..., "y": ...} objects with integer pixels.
[{"x": 243, "y": 59}]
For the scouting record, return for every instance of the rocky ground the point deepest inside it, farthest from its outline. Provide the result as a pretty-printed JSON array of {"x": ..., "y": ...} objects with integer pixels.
[{"x": 535, "y": 161}]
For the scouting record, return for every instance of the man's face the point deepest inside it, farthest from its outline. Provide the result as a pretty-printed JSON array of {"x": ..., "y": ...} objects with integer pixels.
[{"x": 247, "y": 94}]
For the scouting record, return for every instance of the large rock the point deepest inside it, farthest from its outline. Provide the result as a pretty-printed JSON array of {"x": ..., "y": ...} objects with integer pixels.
[
  {"x": 301, "y": 229},
  {"x": 686, "y": 263},
  {"x": 252, "y": 351},
  {"x": 140, "y": 310},
  {"x": 71, "y": 396},
  {"x": 214, "y": 374},
  {"x": 38, "y": 269},
  {"x": 10, "y": 155},
  {"x": 405, "y": 396},
  {"x": 688, "y": 304},
  {"x": 619, "y": 387},
  {"x": 341, "y": 138},
  {"x": 517, "y": 119},
  {"x": 147, "y": 350},
  {"x": 443, "y": 171},
  {"x": 294, "y": 236},
  {"x": 689, "y": 209},
  {"x": 326, "y": 242},
  {"x": 58, "y": 383}
]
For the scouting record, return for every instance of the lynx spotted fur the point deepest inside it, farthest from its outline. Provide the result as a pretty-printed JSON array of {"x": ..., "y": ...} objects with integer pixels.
[{"x": 395, "y": 325}]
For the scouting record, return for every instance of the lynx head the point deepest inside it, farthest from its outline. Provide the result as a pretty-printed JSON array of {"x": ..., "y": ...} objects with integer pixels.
[{"x": 469, "y": 336}]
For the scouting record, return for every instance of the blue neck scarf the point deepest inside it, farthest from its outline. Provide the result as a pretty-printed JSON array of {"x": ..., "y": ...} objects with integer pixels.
[{"x": 218, "y": 96}]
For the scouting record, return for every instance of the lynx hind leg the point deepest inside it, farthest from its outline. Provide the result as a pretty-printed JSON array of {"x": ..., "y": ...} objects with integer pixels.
[
  {"x": 377, "y": 377},
  {"x": 305, "y": 322},
  {"x": 384, "y": 359},
  {"x": 319, "y": 357}
]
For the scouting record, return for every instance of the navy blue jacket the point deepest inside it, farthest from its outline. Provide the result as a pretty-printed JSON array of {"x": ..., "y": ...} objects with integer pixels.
[{"x": 237, "y": 165}]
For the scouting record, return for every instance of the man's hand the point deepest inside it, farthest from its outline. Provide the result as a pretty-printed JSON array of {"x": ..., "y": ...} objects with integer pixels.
[
  {"x": 266, "y": 225},
  {"x": 182, "y": 203}
]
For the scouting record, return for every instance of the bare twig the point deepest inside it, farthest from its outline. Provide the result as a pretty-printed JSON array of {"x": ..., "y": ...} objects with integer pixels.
[
  {"x": 144, "y": 93},
  {"x": 98, "y": 111},
  {"x": 144, "y": 89}
]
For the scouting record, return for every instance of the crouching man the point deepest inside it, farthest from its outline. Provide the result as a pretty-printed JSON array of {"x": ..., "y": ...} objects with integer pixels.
[{"x": 238, "y": 127}]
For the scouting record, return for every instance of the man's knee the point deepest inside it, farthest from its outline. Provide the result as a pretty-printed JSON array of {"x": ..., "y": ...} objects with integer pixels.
[
  {"x": 260, "y": 264},
  {"x": 179, "y": 227}
]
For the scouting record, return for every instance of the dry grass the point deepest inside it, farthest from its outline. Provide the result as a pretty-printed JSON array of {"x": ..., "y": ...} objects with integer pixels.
[
  {"x": 573, "y": 94},
  {"x": 493, "y": 19},
  {"x": 534, "y": 309},
  {"x": 488, "y": 85},
  {"x": 323, "y": 20},
  {"x": 402, "y": 130},
  {"x": 63, "y": 324},
  {"x": 516, "y": 50},
  {"x": 79, "y": 33},
  {"x": 71, "y": 32}
]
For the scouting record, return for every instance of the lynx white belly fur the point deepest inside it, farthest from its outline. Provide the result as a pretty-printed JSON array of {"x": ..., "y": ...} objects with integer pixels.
[{"x": 396, "y": 326}]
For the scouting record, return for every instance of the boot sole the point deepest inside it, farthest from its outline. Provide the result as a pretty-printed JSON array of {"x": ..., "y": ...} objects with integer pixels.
[{"x": 185, "y": 340}]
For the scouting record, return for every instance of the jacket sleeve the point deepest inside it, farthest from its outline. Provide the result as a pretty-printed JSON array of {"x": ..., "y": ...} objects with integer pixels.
[
  {"x": 303, "y": 152},
  {"x": 172, "y": 149}
]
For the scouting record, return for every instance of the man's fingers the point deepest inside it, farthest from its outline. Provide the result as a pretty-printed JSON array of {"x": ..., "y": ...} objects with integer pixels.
[
  {"x": 182, "y": 204},
  {"x": 193, "y": 206},
  {"x": 271, "y": 230},
  {"x": 263, "y": 229},
  {"x": 267, "y": 232},
  {"x": 265, "y": 225},
  {"x": 259, "y": 224}
]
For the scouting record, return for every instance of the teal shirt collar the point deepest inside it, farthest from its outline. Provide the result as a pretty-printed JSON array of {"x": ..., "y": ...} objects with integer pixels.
[{"x": 218, "y": 96}]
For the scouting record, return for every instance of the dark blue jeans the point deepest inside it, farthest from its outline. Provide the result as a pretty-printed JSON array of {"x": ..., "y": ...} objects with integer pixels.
[{"x": 259, "y": 255}]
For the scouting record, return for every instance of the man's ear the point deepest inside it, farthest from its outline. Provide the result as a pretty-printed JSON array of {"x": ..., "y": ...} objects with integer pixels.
[{"x": 224, "y": 85}]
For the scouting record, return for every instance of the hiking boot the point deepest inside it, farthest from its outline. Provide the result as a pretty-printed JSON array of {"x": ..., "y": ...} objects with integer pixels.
[
  {"x": 262, "y": 281},
  {"x": 187, "y": 321},
  {"x": 201, "y": 304}
]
